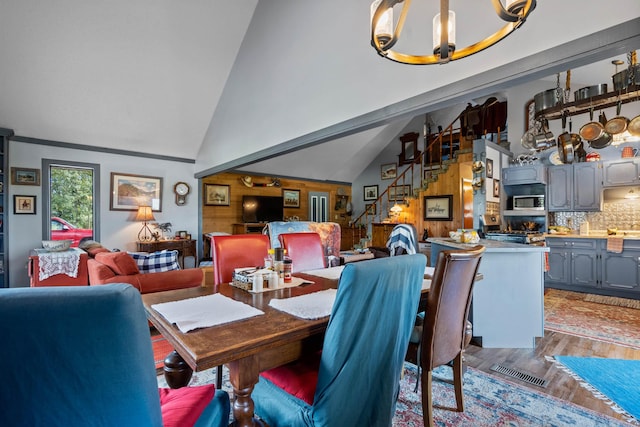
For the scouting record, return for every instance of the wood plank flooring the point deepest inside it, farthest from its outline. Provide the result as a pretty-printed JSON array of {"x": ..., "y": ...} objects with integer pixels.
[{"x": 532, "y": 361}]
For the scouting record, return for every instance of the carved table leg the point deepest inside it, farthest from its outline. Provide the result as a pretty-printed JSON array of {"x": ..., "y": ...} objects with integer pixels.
[
  {"x": 243, "y": 375},
  {"x": 176, "y": 371}
]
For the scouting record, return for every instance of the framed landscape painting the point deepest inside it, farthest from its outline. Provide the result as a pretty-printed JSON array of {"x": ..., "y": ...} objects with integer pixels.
[
  {"x": 291, "y": 198},
  {"x": 216, "y": 195},
  {"x": 130, "y": 191},
  {"x": 438, "y": 208}
]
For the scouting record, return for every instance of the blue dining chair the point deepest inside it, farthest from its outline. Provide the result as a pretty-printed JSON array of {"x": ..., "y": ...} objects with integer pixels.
[
  {"x": 355, "y": 380},
  {"x": 81, "y": 356}
]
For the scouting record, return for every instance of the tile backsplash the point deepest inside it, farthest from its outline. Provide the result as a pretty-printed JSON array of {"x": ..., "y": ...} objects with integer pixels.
[{"x": 625, "y": 215}]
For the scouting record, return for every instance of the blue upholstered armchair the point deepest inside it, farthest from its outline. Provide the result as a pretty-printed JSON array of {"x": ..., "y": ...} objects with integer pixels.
[
  {"x": 81, "y": 356},
  {"x": 355, "y": 380}
]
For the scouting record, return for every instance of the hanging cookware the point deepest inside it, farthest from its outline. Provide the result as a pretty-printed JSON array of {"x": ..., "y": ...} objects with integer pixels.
[
  {"x": 544, "y": 137},
  {"x": 592, "y": 130},
  {"x": 604, "y": 140},
  {"x": 547, "y": 99},
  {"x": 634, "y": 126},
  {"x": 618, "y": 124},
  {"x": 589, "y": 92},
  {"x": 565, "y": 143},
  {"x": 629, "y": 76}
]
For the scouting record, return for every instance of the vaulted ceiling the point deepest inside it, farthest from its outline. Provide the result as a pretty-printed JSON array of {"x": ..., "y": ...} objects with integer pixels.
[{"x": 236, "y": 84}]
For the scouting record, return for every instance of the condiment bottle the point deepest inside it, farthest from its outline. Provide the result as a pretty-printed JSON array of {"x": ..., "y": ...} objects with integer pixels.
[
  {"x": 287, "y": 265},
  {"x": 257, "y": 282},
  {"x": 273, "y": 280}
]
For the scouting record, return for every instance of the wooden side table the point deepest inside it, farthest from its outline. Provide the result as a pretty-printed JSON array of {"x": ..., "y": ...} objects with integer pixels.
[{"x": 184, "y": 247}]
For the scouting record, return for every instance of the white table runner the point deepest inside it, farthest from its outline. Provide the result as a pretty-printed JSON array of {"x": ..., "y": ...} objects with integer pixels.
[
  {"x": 328, "y": 273},
  {"x": 309, "y": 306},
  {"x": 202, "y": 312}
]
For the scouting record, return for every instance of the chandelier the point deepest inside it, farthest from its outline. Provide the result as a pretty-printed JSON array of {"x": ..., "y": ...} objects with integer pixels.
[{"x": 384, "y": 36}]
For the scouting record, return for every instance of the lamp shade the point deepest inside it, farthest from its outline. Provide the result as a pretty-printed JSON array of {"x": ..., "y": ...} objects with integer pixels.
[{"x": 145, "y": 214}]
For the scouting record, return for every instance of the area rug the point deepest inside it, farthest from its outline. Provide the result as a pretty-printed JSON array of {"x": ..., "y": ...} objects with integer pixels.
[
  {"x": 568, "y": 313},
  {"x": 489, "y": 402},
  {"x": 161, "y": 348},
  {"x": 615, "y": 381}
]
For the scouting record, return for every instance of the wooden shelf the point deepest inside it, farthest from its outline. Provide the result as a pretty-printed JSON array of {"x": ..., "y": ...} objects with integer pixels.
[{"x": 606, "y": 100}]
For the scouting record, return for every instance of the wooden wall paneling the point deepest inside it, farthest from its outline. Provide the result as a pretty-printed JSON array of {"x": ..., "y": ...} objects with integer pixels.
[{"x": 222, "y": 218}]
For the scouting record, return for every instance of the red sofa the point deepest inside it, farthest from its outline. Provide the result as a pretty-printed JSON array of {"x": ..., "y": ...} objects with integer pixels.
[{"x": 119, "y": 267}]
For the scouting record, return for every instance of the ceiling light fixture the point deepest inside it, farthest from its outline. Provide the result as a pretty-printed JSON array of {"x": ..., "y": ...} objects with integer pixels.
[{"x": 384, "y": 36}]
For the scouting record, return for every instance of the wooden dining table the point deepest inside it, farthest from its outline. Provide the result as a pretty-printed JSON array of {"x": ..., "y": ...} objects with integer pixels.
[{"x": 249, "y": 346}]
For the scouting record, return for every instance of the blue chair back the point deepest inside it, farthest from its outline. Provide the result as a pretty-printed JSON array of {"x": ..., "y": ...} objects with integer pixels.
[
  {"x": 76, "y": 356},
  {"x": 366, "y": 341}
]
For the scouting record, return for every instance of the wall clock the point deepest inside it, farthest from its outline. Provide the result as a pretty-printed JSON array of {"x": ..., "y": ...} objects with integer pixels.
[{"x": 181, "y": 189}]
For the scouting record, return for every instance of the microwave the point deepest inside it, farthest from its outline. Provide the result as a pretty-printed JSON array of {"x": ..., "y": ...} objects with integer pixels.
[{"x": 535, "y": 202}]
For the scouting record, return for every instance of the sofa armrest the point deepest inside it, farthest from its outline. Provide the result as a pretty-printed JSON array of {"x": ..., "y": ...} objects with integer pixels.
[{"x": 99, "y": 273}]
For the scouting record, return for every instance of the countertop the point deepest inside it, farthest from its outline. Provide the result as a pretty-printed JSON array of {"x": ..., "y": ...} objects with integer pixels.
[
  {"x": 594, "y": 235},
  {"x": 490, "y": 245}
]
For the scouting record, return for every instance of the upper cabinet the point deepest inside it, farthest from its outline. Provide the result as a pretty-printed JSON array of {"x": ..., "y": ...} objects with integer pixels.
[
  {"x": 575, "y": 187},
  {"x": 528, "y": 174},
  {"x": 621, "y": 172}
]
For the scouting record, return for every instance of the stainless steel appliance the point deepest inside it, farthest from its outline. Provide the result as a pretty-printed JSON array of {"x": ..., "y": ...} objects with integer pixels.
[
  {"x": 492, "y": 230},
  {"x": 530, "y": 202}
]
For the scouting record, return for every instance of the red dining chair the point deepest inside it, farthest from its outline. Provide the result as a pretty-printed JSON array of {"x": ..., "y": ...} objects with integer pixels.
[
  {"x": 304, "y": 249},
  {"x": 235, "y": 251}
]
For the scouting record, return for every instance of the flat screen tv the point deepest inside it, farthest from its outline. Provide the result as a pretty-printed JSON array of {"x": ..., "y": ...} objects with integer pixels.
[{"x": 262, "y": 209}]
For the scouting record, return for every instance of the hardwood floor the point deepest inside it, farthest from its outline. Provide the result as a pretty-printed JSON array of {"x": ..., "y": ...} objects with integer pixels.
[{"x": 532, "y": 361}]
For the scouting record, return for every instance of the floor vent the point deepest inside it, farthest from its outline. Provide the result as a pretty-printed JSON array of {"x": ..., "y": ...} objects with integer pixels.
[{"x": 523, "y": 376}]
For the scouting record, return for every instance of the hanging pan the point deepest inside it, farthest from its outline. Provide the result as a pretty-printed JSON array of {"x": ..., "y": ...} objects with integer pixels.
[
  {"x": 604, "y": 140},
  {"x": 618, "y": 124},
  {"x": 592, "y": 130}
]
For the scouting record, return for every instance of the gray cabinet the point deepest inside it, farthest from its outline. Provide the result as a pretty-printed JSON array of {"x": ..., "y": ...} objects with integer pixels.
[
  {"x": 574, "y": 187},
  {"x": 621, "y": 172},
  {"x": 585, "y": 265},
  {"x": 621, "y": 271},
  {"x": 572, "y": 263},
  {"x": 529, "y": 174}
]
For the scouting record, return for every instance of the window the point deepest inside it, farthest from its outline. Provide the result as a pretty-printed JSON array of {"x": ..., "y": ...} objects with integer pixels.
[{"x": 71, "y": 202}]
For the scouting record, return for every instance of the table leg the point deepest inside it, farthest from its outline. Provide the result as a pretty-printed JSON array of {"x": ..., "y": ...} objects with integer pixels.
[
  {"x": 243, "y": 375},
  {"x": 176, "y": 371}
]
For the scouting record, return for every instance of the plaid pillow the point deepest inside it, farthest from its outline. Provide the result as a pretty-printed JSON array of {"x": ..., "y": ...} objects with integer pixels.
[{"x": 157, "y": 261}]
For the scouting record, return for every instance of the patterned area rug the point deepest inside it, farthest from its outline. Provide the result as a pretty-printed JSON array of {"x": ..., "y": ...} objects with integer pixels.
[
  {"x": 161, "y": 348},
  {"x": 489, "y": 401},
  {"x": 569, "y": 313}
]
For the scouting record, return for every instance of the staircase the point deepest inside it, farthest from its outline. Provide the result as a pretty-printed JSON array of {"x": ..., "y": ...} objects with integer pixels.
[{"x": 441, "y": 152}]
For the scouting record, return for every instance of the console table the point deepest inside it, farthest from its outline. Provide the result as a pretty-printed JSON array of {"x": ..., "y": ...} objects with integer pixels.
[{"x": 184, "y": 247}]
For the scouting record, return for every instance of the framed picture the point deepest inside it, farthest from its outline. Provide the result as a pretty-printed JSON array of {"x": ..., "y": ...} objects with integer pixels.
[
  {"x": 130, "y": 191},
  {"x": 370, "y": 192},
  {"x": 24, "y": 205},
  {"x": 389, "y": 171},
  {"x": 370, "y": 208},
  {"x": 398, "y": 193},
  {"x": 489, "y": 168},
  {"x": 182, "y": 234},
  {"x": 291, "y": 198},
  {"x": 496, "y": 188},
  {"x": 216, "y": 195},
  {"x": 438, "y": 208},
  {"x": 24, "y": 176}
]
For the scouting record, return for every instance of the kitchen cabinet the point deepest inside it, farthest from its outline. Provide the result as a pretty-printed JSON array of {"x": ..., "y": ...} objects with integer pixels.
[
  {"x": 574, "y": 187},
  {"x": 621, "y": 172},
  {"x": 585, "y": 265},
  {"x": 621, "y": 271},
  {"x": 529, "y": 174},
  {"x": 572, "y": 263}
]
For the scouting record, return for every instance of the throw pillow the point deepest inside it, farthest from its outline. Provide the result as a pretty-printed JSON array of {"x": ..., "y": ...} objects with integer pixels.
[
  {"x": 120, "y": 262},
  {"x": 157, "y": 261},
  {"x": 183, "y": 406}
]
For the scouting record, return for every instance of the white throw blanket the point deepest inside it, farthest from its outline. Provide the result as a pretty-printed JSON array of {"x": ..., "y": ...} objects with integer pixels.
[
  {"x": 309, "y": 306},
  {"x": 202, "y": 312}
]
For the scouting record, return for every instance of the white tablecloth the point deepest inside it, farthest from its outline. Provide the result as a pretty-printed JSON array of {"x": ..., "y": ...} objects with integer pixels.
[{"x": 202, "y": 312}]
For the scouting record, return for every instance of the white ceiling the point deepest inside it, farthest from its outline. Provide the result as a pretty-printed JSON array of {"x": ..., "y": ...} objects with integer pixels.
[{"x": 148, "y": 76}]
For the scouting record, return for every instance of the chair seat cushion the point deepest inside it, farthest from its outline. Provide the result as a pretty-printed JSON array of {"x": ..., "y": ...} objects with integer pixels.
[
  {"x": 298, "y": 378},
  {"x": 182, "y": 407}
]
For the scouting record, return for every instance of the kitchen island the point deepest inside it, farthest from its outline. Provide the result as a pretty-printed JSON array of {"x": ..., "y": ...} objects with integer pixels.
[{"x": 507, "y": 309}]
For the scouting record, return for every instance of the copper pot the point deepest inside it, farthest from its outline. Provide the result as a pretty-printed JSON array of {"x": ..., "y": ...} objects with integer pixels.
[
  {"x": 592, "y": 130},
  {"x": 618, "y": 124}
]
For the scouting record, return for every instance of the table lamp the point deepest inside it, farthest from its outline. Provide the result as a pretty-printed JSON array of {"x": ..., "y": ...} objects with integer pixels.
[{"x": 145, "y": 214}]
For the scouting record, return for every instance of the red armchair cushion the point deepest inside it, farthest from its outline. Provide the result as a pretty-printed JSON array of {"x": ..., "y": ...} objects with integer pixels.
[
  {"x": 298, "y": 378},
  {"x": 182, "y": 407},
  {"x": 121, "y": 263}
]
